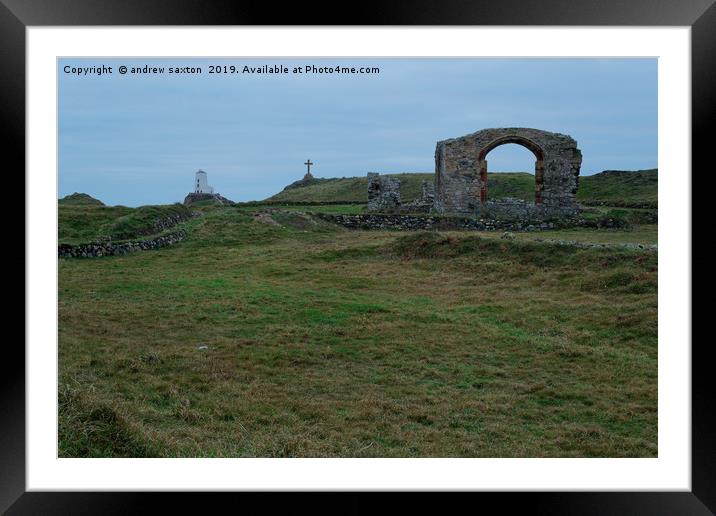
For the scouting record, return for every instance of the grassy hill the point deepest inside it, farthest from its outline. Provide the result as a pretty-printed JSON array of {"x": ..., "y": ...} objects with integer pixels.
[
  {"x": 80, "y": 199},
  {"x": 349, "y": 189},
  {"x": 88, "y": 223},
  {"x": 615, "y": 186},
  {"x": 620, "y": 186}
]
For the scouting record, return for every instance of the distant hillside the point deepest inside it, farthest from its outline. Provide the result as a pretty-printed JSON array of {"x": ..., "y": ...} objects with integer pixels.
[
  {"x": 621, "y": 186},
  {"x": 80, "y": 199},
  {"x": 616, "y": 186}
]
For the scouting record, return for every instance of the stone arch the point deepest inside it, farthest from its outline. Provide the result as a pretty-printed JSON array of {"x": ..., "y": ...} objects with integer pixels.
[{"x": 461, "y": 170}]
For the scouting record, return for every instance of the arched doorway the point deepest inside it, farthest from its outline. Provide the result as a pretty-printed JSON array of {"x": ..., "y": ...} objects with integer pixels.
[
  {"x": 519, "y": 140},
  {"x": 461, "y": 170}
]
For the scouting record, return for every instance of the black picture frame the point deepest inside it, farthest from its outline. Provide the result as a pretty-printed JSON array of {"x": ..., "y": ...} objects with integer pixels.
[{"x": 16, "y": 15}]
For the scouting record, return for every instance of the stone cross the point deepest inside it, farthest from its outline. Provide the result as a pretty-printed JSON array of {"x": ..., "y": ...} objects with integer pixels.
[{"x": 308, "y": 165}]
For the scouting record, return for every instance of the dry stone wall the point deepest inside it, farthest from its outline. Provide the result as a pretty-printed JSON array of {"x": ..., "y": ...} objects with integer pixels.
[
  {"x": 511, "y": 208},
  {"x": 170, "y": 221},
  {"x": 109, "y": 248},
  {"x": 382, "y": 221},
  {"x": 98, "y": 249}
]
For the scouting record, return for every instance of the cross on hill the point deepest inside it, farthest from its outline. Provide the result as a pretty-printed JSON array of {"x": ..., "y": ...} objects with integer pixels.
[{"x": 308, "y": 166}]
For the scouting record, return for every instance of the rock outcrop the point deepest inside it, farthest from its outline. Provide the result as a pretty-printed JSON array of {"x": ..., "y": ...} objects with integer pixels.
[{"x": 195, "y": 197}]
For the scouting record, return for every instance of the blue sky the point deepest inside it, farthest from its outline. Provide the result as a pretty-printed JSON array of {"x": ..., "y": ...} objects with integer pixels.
[{"x": 138, "y": 139}]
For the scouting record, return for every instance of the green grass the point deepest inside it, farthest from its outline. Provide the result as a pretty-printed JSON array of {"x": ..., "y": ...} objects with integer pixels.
[
  {"x": 86, "y": 223},
  {"x": 328, "y": 342},
  {"x": 519, "y": 185},
  {"x": 636, "y": 234},
  {"x": 322, "y": 208},
  {"x": 610, "y": 186},
  {"x": 620, "y": 186}
]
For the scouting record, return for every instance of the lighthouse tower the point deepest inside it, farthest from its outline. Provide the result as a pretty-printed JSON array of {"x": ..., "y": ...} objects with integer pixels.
[{"x": 200, "y": 184}]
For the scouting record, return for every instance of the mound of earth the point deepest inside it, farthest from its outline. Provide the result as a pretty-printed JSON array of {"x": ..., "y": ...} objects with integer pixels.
[
  {"x": 80, "y": 199},
  {"x": 307, "y": 180}
]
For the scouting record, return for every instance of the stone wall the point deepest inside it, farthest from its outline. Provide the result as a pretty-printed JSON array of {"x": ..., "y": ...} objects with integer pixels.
[
  {"x": 170, "y": 221},
  {"x": 461, "y": 169},
  {"x": 383, "y": 193},
  {"x": 509, "y": 208},
  {"x": 371, "y": 221},
  {"x": 98, "y": 249}
]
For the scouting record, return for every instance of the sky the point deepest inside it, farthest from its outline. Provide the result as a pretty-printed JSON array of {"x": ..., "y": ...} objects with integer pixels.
[{"x": 138, "y": 138}]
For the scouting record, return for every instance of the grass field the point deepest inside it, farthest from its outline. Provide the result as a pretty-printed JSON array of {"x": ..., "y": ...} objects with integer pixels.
[{"x": 303, "y": 339}]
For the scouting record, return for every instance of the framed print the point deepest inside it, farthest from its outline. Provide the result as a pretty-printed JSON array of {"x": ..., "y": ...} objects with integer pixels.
[{"x": 417, "y": 253}]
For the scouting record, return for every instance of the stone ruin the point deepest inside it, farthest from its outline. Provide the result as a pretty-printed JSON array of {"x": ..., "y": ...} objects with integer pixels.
[
  {"x": 461, "y": 186},
  {"x": 383, "y": 193}
]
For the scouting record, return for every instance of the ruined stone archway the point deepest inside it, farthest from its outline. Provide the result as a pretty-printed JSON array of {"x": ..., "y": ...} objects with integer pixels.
[
  {"x": 524, "y": 142},
  {"x": 461, "y": 171}
]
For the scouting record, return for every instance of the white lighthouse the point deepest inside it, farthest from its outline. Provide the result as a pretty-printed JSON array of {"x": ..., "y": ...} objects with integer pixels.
[{"x": 200, "y": 183}]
